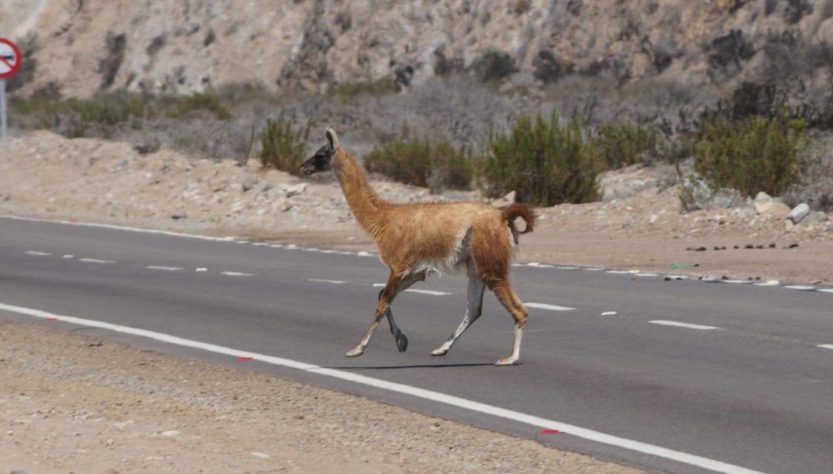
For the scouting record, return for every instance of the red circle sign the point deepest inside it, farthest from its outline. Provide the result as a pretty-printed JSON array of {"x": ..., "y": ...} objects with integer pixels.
[{"x": 10, "y": 58}]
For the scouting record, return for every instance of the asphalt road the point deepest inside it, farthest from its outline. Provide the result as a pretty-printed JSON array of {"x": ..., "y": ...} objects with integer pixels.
[{"x": 746, "y": 379}]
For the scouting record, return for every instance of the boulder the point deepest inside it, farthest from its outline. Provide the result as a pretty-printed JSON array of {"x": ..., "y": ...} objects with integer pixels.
[
  {"x": 771, "y": 208},
  {"x": 798, "y": 213},
  {"x": 295, "y": 189}
]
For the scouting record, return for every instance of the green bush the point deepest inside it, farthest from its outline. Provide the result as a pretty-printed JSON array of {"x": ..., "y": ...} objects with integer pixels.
[
  {"x": 752, "y": 154},
  {"x": 545, "y": 162},
  {"x": 282, "y": 147},
  {"x": 180, "y": 107},
  {"x": 422, "y": 163},
  {"x": 622, "y": 144},
  {"x": 493, "y": 65}
]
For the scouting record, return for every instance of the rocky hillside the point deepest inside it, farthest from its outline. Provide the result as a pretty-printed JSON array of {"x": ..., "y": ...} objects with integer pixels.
[{"x": 86, "y": 46}]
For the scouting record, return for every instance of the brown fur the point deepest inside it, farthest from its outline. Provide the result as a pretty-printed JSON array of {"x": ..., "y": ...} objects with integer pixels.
[{"x": 412, "y": 236}]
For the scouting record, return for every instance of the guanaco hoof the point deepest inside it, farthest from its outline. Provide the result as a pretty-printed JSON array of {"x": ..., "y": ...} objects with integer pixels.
[
  {"x": 401, "y": 342},
  {"x": 440, "y": 351},
  {"x": 506, "y": 361},
  {"x": 355, "y": 352}
]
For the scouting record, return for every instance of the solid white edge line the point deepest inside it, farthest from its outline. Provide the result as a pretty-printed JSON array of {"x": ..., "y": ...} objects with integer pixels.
[
  {"x": 427, "y": 292},
  {"x": 800, "y": 287},
  {"x": 701, "y": 327},
  {"x": 825, "y": 290},
  {"x": 550, "y": 307},
  {"x": 826, "y": 346},
  {"x": 416, "y": 392},
  {"x": 118, "y": 227}
]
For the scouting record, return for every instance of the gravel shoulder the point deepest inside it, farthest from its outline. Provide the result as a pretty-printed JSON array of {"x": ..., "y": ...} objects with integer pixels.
[{"x": 75, "y": 403}]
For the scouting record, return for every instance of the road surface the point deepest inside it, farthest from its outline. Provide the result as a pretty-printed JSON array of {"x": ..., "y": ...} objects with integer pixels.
[{"x": 707, "y": 376}]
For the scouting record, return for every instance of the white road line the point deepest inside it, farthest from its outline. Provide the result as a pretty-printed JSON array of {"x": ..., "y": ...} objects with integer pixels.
[
  {"x": 539, "y": 265},
  {"x": 416, "y": 392},
  {"x": 379, "y": 285},
  {"x": 826, "y": 346},
  {"x": 593, "y": 269},
  {"x": 69, "y": 255},
  {"x": 37, "y": 254},
  {"x": 683, "y": 325},
  {"x": 164, "y": 269},
  {"x": 647, "y": 274},
  {"x": 201, "y": 269},
  {"x": 825, "y": 290},
  {"x": 96, "y": 260},
  {"x": 364, "y": 254},
  {"x": 260, "y": 244},
  {"x": 609, "y": 313},
  {"x": 550, "y": 307},
  {"x": 428, "y": 292},
  {"x": 735, "y": 282},
  {"x": 321, "y": 280},
  {"x": 768, "y": 283},
  {"x": 618, "y": 272},
  {"x": 237, "y": 274},
  {"x": 800, "y": 287},
  {"x": 276, "y": 246},
  {"x": 566, "y": 268},
  {"x": 118, "y": 227}
]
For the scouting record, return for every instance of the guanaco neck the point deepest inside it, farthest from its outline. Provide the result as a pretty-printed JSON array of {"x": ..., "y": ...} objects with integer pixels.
[{"x": 368, "y": 208}]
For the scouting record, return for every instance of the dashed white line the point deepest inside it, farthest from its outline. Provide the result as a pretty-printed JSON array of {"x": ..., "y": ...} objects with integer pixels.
[
  {"x": 550, "y": 307},
  {"x": 364, "y": 254},
  {"x": 800, "y": 287},
  {"x": 163, "y": 269},
  {"x": 826, "y": 346},
  {"x": 678, "y": 324},
  {"x": 825, "y": 290},
  {"x": 609, "y": 313},
  {"x": 237, "y": 274},
  {"x": 96, "y": 260},
  {"x": 566, "y": 268},
  {"x": 735, "y": 282},
  {"x": 618, "y": 272},
  {"x": 647, "y": 274},
  {"x": 593, "y": 269},
  {"x": 37, "y": 253},
  {"x": 201, "y": 269},
  {"x": 539, "y": 265},
  {"x": 416, "y": 392},
  {"x": 321, "y": 280},
  {"x": 768, "y": 283},
  {"x": 428, "y": 292},
  {"x": 69, "y": 255},
  {"x": 276, "y": 246}
]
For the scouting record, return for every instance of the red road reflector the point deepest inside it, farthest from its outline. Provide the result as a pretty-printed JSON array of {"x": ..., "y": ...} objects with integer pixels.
[
  {"x": 245, "y": 358},
  {"x": 548, "y": 431},
  {"x": 52, "y": 319}
]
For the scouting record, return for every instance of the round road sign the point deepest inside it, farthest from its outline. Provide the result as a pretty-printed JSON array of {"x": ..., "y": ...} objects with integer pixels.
[{"x": 10, "y": 58}]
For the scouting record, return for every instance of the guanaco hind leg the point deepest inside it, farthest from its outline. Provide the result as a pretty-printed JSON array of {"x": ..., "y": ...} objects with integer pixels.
[
  {"x": 519, "y": 313},
  {"x": 476, "y": 288}
]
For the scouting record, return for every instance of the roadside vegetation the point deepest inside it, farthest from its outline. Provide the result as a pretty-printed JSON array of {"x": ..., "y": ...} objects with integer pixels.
[{"x": 470, "y": 134}]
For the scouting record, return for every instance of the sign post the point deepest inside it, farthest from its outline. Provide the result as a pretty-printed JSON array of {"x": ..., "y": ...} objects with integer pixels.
[{"x": 10, "y": 62}]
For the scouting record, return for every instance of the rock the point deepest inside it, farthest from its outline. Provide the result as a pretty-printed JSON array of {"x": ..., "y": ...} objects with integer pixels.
[
  {"x": 238, "y": 206},
  {"x": 248, "y": 183},
  {"x": 177, "y": 217},
  {"x": 816, "y": 217},
  {"x": 265, "y": 187},
  {"x": 771, "y": 208},
  {"x": 763, "y": 197},
  {"x": 798, "y": 213},
  {"x": 505, "y": 200},
  {"x": 295, "y": 190}
]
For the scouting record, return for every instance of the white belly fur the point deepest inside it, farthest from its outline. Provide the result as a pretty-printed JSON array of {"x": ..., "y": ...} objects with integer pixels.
[{"x": 453, "y": 262}]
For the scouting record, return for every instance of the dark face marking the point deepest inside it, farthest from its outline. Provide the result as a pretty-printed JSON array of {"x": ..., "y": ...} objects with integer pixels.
[{"x": 322, "y": 160}]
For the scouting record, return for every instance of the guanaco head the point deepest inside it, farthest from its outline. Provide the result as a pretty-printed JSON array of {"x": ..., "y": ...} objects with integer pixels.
[{"x": 322, "y": 160}]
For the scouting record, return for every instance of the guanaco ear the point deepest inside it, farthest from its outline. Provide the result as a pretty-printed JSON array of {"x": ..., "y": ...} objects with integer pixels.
[{"x": 332, "y": 138}]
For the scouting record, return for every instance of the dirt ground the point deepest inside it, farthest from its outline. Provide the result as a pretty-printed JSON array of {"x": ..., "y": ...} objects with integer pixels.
[{"x": 74, "y": 403}]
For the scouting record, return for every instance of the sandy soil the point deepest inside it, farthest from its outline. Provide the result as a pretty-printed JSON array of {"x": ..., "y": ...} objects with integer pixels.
[
  {"x": 73, "y": 403},
  {"x": 46, "y": 175}
]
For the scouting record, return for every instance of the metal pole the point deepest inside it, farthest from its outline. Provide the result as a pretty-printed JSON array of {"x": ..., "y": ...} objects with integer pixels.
[{"x": 5, "y": 131}]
